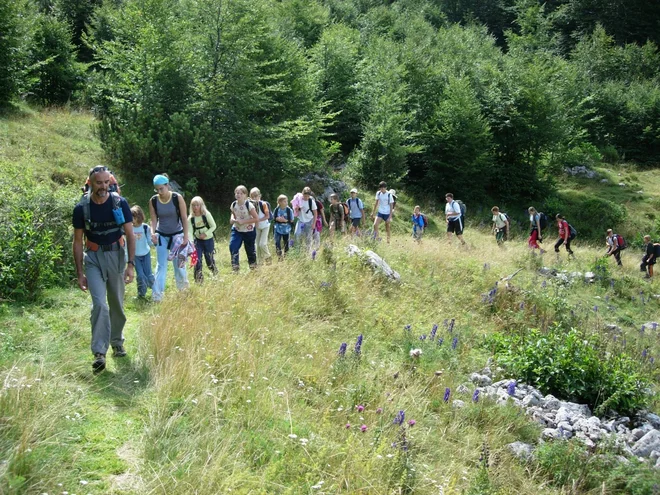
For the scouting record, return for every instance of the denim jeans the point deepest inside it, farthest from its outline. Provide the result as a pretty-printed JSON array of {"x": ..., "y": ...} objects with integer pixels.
[
  {"x": 180, "y": 275},
  {"x": 144, "y": 275},
  {"x": 281, "y": 238},
  {"x": 237, "y": 239},
  {"x": 207, "y": 248}
]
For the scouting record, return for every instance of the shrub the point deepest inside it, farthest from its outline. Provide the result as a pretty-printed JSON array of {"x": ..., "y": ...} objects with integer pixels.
[
  {"x": 34, "y": 237},
  {"x": 574, "y": 366}
]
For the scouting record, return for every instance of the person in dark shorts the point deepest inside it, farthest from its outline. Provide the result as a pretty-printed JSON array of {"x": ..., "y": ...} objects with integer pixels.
[
  {"x": 650, "y": 256},
  {"x": 565, "y": 235},
  {"x": 454, "y": 218}
]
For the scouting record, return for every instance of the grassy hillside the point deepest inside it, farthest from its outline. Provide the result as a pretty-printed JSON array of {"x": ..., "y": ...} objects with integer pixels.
[{"x": 236, "y": 386}]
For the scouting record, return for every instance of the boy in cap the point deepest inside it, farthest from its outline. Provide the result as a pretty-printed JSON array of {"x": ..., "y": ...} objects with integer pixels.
[{"x": 356, "y": 211}]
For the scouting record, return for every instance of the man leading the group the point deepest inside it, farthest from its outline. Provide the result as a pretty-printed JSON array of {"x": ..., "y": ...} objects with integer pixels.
[
  {"x": 103, "y": 218},
  {"x": 453, "y": 215}
]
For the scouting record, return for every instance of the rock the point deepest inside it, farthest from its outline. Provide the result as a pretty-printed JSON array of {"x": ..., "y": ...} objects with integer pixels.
[
  {"x": 614, "y": 329},
  {"x": 462, "y": 389},
  {"x": 550, "y": 402},
  {"x": 653, "y": 419},
  {"x": 654, "y": 456},
  {"x": 657, "y": 464},
  {"x": 550, "y": 434},
  {"x": 609, "y": 426},
  {"x": 457, "y": 404},
  {"x": 638, "y": 433},
  {"x": 621, "y": 184},
  {"x": 580, "y": 171},
  {"x": 531, "y": 400},
  {"x": 563, "y": 416},
  {"x": 594, "y": 422},
  {"x": 381, "y": 266},
  {"x": 521, "y": 450},
  {"x": 480, "y": 380},
  {"x": 585, "y": 440},
  {"x": 589, "y": 277},
  {"x": 565, "y": 426},
  {"x": 621, "y": 459},
  {"x": 576, "y": 409},
  {"x": 647, "y": 444},
  {"x": 353, "y": 250}
]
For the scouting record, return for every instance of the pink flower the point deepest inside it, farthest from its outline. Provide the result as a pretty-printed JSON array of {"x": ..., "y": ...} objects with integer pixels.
[
  {"x": 412, "y": 422},
  {"x": 348, "y": 425},
  {"x": 360, "y": 408},
  {"x": 379, "y": 410},
  {"x": 363, "y": 428}
]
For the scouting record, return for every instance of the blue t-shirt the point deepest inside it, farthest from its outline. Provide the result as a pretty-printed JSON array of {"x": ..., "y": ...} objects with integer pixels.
[
  {"x": 282, "y": 228},
  {"x": 355, "y": 205},
  {"x": 418, "y": 222},
  {"x": 102, "y": 219}
]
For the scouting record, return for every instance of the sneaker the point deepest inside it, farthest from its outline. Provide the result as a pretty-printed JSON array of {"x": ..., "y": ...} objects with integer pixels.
[
  {"x": 118, "y": 351},
  {"x": 98, "y": 364}
]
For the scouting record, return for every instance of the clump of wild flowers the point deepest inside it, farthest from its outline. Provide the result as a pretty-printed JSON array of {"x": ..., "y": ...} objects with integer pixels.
[
  {"x": 454, "y": 343},
  {"x": 358, "y": 346},
  {"x": 440, "y": 341},
  {"x": 511, "y": 388},
  {"x": 399, "y": 418},
  {"x": 359, "y": 408},
  {"x": 447, "y": 394},
  {"x": 342, "y": 349},
  {"x": 475, "y": 396},
  {"x": 433, "y": 332},
  {"x": 451, "y": 325},
  {"x": 363, "y": 428}
]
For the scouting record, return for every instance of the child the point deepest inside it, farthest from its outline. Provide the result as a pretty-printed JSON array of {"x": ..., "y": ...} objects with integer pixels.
[
  {"x": 650, "y": 256},
  {"x": 243, "y": 219},
  {"x": 202, "y": 225},
  {"x": 418, "y": 224},
  {"x": 615, "y": 244},
  {"x": 143, "y": 245},
  {"x": 565, "y": 235},
  {"x": 263, "y": 227},
  {"x": 337, "y": 220},
  {"x": 356, "y": 211},
  {"x": 307, "y": 214},
  {"x": 384, "y": 206},
  {"x": 535, "y": 230},
  {"x": 283, "y": 216},
  {"x": 501, "y": 225},
  {"x": 320, "y": 222}
]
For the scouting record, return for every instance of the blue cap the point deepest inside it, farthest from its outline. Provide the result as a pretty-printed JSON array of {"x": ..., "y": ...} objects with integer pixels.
[{"x": 161, "y": 180}]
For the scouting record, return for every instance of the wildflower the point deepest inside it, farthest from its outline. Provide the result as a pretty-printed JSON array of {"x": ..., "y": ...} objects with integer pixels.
[
  {"x": 407, "y": 327},
  {"x": 447, "y": 394},
  {"x": 652, "y": 360},
  {"x": 293, "y": 436},
  {"x": 475, "y": 396},
  {"x": 440, "y": 340},
  {"x": 314, "y": 255},
  {"x": 433, "y": 331},
  {"x": 363, "y": 428},
  {"x": 654, "y": 325},
  {"x": 595, "y": 309},
  {"x": 422, "y": 337},
  {"x": 325, "y": 285},
  {"x": 379, "y": 410},
  {"x": 644, "y": 353},
  {"x": 454, "y": 343},
  {"x": 415, "y": 353},
  {"x": 348, "y": 426},
  {"x": 342, "y": 349},
  {"x": 643, "y": 328},
  {"x": 544, "y": 284},
  {"x": 360, "y": 408},
  {"x": 521, "y": 306},
  {"x": 451, "y": 325},
  {"x": 511, "y": 388},
  {"x": 291, "y": 243},
  {"x": 400, "y": 418},
  {"x": 358, "y": 345},
  {"x": 412, "y": 422}
]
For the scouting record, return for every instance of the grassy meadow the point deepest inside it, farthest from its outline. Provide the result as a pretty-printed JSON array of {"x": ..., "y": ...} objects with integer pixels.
[{"x": 236, "y": 385}]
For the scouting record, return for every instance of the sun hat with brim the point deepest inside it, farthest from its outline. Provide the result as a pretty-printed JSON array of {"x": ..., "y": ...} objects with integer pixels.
[
  {"x": 354, "y": 190},
  {"x": 161, "y": 180}
]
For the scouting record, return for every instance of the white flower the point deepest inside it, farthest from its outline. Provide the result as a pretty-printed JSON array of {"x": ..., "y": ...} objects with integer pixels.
[
  {"x": 415, "y": 353},
  {"x": 293, "y": 435}
]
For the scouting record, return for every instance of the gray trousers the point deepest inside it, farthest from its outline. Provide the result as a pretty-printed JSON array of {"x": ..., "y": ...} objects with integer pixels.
[{"x": 105, "y": 282}]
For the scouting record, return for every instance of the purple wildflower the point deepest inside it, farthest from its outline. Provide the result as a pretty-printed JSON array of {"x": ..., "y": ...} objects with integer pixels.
[
  {"x": 447, "y": 394},
  {"x": 342, "y": 349},
  {"x": 607, "y": 298},
  {"x": 379, "y": 410},
  {"x": 433, "y": 332},
  {"x": 407, "y": 327},
  {"x": 511, "y": 388},
  {"x": 643, "y": 328},
  {"x": 291, "y": 243},
  {"x": 400, "y": 418},
  {"x": 521, "y": 306},
  {"x": 359, "y": 408},
  {"x": 644, "y": 354},
  {"x": 314, "y": 254},
  {"x": 475, "y": 396},
  {"x": 363, "y": 428},
  {"x": 454, "y": 343},
  {"x": 325, "y": 285},
  {"x": 348, "y": 425},
  {"x": 654, "y": 325},
  {"x": 651, "y": 360},
  {"x": 595, "y": 309},
  {"x": 544, "y": 284},
  {"x": 422, "y": 337},
  {"x": 412, "y": 422},
  {"x": 451, "y": 325},
  {"x": 440, "y": 340},
  {"x": 358, "y": 345}
]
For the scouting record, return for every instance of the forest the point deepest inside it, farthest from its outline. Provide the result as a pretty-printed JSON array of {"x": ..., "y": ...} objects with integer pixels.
[{"x": 489, "y": 98}]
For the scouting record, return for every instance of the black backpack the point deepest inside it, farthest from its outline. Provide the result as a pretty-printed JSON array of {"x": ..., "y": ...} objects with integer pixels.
[
  {"x": 289, "y": 214},
  {"x": 573, "y": 233},
  {"x": 175, "y": 200},
  {"x": 206, "y": 225},
  {"x": 543, "y": 220}
]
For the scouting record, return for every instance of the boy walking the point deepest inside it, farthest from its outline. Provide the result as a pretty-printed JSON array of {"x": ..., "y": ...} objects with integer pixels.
[
  {"x": 356, "y": 211},
  {"x": 500, "y": 225},
  {"x": 385, "y": 207},
  {"x": 615, "y": 244},
  {"x": 283, "y": 216},
  {"x": 453, "y": 216},
  {"x": 337, "y": 213},
  {"x": 307, "y": 216},
  {"x": 418, "y": 224}
]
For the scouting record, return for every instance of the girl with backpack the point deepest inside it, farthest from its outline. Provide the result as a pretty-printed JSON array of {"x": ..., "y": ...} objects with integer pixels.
[
  {"x": 283, "y": 216},
  {"x": 169, "y": 219},
  {"x": 566, "y": 235},
  {"x": 243, "y": 219},
  {"x": 535, "y": 230},
  {"x": 615, "y": 244},
  {"x": 143, "y": 245},
  {"x": 202, "y": 225},
  {"x": 263, "y": 227},
  {"x": 419, "y": 223}
]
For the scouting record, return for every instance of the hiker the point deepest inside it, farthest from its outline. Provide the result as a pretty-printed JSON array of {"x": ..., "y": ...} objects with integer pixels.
[
  {"x": 454, "y": 218},
  {"x": 169, "y": 219},
  {"x": 566, "y": 235},
  {"x": 615, "y": 244},
  {"x": 202, "y": 225},
  {"x": 307, "y": 214},
  {"x": 263, "y": 227},
  {"x": 385, "y": 207},
  {"x": 535, "y": 230},
  {"x": 501, "y": 225},
  {"x": 337, "y": 215},
  {"x": 650, "y": 256},
  {"x": 320, "y": 222},
  {"x": 419, "y": 223},
  {"x": 356, "y": 211},
  {"x": 101, "y": 217},
  {"x": 143, "y": 245},
  {"x": 243, "y": 220},
  {"x": 283, "y": 217}
]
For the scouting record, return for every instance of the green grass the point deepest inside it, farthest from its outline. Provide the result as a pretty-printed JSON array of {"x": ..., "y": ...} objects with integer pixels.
[{"x": 219, "y": 378}]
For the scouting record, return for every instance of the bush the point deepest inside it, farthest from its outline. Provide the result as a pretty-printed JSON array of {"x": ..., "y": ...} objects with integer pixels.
[
  {"x": 35, "y": 238},
  {"x": 576, "y": 367}
]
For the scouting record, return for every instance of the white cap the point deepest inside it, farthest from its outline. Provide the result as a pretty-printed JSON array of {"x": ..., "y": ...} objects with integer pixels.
[
  {"x": 354, "y": 190},
  {"x": 392, "y": 192}
]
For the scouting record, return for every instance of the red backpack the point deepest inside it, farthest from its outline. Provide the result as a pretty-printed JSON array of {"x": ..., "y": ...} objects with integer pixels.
[
  {"x": 620, "y": 241},
  {"x": 426, "y": 221}
]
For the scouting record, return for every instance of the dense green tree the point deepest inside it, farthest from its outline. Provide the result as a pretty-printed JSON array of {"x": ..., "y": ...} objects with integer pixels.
[{"x": 14, "y": 37}]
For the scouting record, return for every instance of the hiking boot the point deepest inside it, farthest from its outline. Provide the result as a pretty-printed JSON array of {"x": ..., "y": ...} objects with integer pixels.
[
  {"x": 98, "y": 364},
  {"x": 118, "y": 351}
]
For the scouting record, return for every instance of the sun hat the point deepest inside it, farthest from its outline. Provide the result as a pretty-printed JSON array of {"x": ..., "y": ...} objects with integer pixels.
[{"x": 354, "y": 190}]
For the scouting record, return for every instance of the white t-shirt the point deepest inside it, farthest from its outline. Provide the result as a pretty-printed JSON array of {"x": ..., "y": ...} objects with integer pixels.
[
  {"x": 306, "y": 215},
  {"x": 384, "y": 201},
  {"x": 453, "y": 207},
  {"x": 241, "y": 212},
  {"x": 263, "y": 217},
  {"x": 500, "y": 220}
]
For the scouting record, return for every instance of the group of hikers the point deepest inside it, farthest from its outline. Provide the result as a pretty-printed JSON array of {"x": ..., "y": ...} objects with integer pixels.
[{"x": 113, "y": 242}]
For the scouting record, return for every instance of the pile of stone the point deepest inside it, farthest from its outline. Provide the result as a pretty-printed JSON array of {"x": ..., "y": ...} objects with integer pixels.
[
  {"x": 580, "y": 171},
  {"x": 568, "y": 277},
  {"x": 639, "y": 437}
]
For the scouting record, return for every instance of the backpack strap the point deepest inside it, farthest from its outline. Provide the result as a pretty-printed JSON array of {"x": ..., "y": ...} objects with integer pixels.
[
  {"x": 87, "y": 215},
  {"x": 144, "y": 226}
]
